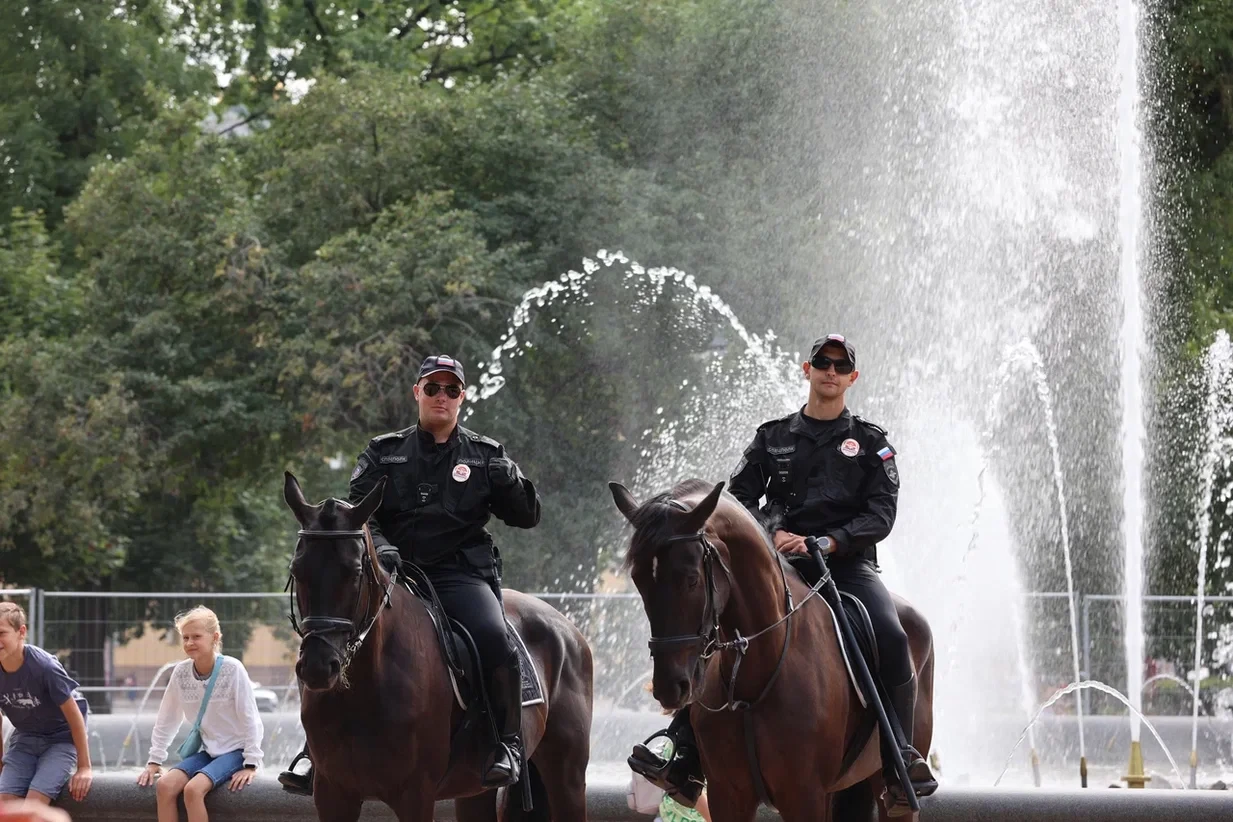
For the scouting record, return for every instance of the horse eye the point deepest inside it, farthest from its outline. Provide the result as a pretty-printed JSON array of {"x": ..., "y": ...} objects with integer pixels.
[{"x": 692, "y": 580}]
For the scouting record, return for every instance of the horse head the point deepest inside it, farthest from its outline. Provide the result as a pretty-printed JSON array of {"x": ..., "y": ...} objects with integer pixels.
[
  {"x": 683, "y": 580},
  {"x": 336, "y": 583}
]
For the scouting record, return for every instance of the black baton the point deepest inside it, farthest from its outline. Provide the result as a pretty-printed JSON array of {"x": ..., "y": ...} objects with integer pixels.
[{"x": 890, "y": 732}]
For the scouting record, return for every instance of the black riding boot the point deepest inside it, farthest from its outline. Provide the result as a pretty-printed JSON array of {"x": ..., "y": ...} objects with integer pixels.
[
  {"x": 298, "y": 783},
  {"x": 903, "y": 703},
  {"x": 505, "y": 697},
  {"x": 679, "y": 772}
]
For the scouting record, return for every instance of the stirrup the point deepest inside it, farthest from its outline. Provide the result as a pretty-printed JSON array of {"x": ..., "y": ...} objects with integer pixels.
[
  {"x": 674, "y": 776},
  {"x": 923, "y": 781},
  {"x": 296, "y": 783},
  {"x": 496, "y": 774}
]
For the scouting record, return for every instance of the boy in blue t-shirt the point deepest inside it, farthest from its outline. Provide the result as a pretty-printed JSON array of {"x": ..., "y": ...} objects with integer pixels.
[{"x": 49, "y": 725}]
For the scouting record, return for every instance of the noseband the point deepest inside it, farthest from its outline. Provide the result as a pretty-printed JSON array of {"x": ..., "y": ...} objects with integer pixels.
[
  {"x": 707, "y": 634},
  {"x": 357, "y": 629}
]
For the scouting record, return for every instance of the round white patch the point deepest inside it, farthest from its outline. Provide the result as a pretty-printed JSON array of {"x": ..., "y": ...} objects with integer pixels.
[
  {"x": 461, "y": 472},
  {"x": 850, "y": 448}
]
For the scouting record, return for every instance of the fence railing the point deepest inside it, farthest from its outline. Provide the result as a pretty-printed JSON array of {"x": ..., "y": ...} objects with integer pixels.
[{"x": 115, "y": 643}]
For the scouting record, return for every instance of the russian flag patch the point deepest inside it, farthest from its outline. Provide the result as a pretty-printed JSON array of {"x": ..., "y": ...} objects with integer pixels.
[{"x": 886, "y": 453}]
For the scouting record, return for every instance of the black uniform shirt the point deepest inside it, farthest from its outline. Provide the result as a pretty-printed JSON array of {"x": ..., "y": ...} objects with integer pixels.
[
  {"x": 828, "y": 478},
  {"x": 439, "y": 495}
]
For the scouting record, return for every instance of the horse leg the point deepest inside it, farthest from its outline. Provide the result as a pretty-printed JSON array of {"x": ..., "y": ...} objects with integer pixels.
[
  {"x": 807, "y": 806},
  {"x": 560, "y": 759},
  {"x": 334, "y": 804},
  {"x": 480, "y": 808},
  {"x": 730, "y": 804},
  {"x": 855, "y": 804},
  {"x": 416, "y": 804}
]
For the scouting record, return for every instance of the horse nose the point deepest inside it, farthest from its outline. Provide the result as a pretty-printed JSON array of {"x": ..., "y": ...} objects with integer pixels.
[
  {"x": 317, "y": 671},
  {"x": 673, "y": 695}
]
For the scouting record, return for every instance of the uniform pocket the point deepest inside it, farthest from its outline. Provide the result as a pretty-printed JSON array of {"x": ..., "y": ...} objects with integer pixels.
[
  {"x": 839, "y": 482},
  {"x": 483, "y": 560},
  {"x": 466, "y": 495}
]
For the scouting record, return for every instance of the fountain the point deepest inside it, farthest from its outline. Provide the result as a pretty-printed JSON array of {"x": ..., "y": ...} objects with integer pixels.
[
  {"x": 1130, "y": 215},
  {"x": 132, "y": 737},
  {"x": 1025, "y": 352},
  {"x": 1075, "y": 687},
  {"x": 1217, "y": 368}
]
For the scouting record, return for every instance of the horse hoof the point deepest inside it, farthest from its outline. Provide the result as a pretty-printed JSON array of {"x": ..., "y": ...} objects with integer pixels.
[{"x": 895, "y": 804}]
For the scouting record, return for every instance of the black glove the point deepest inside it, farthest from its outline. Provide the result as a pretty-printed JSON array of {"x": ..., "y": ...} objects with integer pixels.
[
  {"x": 389, "y": 558},
  {"x": 502, "y": 472}
]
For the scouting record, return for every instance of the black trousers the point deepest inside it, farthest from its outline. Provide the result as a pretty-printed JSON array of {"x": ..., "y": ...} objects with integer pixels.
[
  {"x": 469, "y": 587},
  {"x": 860, "y": 578}
]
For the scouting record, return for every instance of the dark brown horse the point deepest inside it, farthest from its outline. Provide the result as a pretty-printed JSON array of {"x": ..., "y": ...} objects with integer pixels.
[
  {"x": 378, "y": 707},
  {"x": 707, "y": 575}
]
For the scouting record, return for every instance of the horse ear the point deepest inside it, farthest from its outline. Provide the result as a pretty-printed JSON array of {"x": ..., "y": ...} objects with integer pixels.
[
  {"x": 370, "y": 503},
  {"x": 701, "y": 512},
  {"x": 295, "y": 497},
  {"x": 624, "y": 500}
]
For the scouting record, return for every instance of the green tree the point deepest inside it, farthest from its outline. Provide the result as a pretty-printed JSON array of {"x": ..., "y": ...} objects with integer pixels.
[{"x": 80, "y": 82}]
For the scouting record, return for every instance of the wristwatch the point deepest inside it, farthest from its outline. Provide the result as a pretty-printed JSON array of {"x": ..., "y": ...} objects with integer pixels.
[{"x": 250, "y": 767}]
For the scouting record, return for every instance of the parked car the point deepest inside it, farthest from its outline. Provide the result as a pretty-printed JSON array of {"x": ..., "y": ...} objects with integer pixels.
[{"x": 267, "y": 700}]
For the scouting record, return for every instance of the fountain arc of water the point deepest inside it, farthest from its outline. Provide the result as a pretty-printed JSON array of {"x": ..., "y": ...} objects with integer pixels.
[
  {"x": 1216, "y": 366},
  {"x": 1026, "y": 352},
  {"x": 1099, "y": 686}
]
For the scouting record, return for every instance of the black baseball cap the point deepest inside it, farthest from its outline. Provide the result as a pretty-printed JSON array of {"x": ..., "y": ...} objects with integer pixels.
[
  {"x": 833, "y": 339},
  {"x": 441, "y": 362}
]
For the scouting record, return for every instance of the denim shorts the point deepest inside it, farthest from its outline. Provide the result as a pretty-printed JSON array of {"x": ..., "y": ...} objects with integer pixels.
[
  {"x": 32, "y": 763},
  {"x": 218, "y": 768}
]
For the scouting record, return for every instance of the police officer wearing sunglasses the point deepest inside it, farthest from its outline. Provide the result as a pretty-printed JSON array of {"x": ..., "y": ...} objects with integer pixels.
[
  {"x": 825, "y": 473},
  {"x": 444, "y": 482}
]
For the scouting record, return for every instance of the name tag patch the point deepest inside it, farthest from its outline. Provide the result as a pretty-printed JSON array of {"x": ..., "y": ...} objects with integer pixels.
[{"x": 393, "y": 458}]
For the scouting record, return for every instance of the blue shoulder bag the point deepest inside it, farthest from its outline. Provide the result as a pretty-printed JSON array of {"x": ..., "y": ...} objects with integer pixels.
[{"x": 192, "y": 743}]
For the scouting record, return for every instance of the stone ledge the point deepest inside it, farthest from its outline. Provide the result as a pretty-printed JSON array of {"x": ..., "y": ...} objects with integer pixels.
[{"x": 116, "y": 796}]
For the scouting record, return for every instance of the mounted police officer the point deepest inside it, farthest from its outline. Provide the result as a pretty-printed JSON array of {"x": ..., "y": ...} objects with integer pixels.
[
  {"x": 828, "y": 474},
  {"x": 444, "y": 483}
]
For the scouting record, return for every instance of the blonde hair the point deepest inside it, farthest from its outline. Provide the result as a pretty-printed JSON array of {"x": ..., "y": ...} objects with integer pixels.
[
  {"x": 206, "y": 617},
  {"x": 13, "y": 614}
]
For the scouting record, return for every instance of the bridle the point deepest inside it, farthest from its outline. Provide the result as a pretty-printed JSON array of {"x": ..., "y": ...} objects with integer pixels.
[
  {"x": 708, "y": 635},
  {"x": 357, "y": 629}
]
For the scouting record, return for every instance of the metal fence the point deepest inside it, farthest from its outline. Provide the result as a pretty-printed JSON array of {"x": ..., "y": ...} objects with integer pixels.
[{"x": 117, "y": 644}]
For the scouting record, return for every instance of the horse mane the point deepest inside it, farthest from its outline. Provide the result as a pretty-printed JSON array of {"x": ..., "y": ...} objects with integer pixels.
[{"x": 653, "y": 520}]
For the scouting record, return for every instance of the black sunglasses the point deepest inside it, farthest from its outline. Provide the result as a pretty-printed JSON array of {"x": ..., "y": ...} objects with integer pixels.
[
  {"x": 822, "y": 363},
  {"x": 453, "y": 391}
]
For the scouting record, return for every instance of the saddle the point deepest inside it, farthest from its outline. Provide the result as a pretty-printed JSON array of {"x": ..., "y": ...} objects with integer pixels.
[
  {"x": 458, "y": 648},
  {"x": 862, "y": 629}
]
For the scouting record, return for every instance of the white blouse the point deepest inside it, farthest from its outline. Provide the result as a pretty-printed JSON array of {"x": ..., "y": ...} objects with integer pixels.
[{"x": 231, "y": 720}]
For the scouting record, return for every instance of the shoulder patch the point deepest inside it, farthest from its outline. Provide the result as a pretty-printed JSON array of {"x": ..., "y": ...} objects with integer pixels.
[
  {"x": 776, "y": 421},
  {"x": 399, "y": 434},
  {"x": 361, "y": 466},
  {"x": 474, "y": 437},
  {"x": 869, "y": 424}
]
